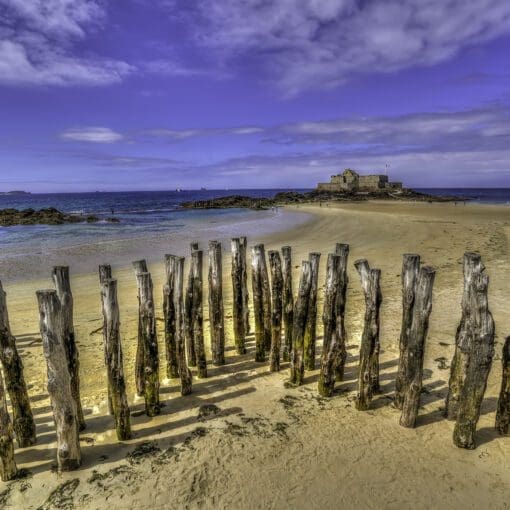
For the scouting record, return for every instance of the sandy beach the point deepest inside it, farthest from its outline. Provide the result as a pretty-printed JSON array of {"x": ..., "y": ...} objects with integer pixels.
[{"x": 264, "y": 445}]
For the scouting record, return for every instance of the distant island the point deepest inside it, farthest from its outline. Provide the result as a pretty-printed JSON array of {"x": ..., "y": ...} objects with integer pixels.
[
  {"x": 15, "y": 192},
  {"x": 48, "y": 216}
]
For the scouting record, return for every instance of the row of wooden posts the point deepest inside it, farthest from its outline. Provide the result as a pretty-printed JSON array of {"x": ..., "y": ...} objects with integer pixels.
[{"x": 284, "y": 326}]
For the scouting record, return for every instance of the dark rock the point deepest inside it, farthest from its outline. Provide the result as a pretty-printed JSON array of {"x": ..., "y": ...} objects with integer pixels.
[{"x": 48, "y": 216}]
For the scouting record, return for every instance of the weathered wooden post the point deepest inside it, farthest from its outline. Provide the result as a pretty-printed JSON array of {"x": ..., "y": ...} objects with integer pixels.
[
  {"x": 114, "y": 359},
  {"x": 257, "y": 257},
  {"x": 189, "y": 338},
  {"x": 62, "y": 399},
  {"x": 184, "y": 371},
  {"x": 311, "y": 321},
  {"x": 276, "y": 309},
  {"x": 216, "y": 314},
  {"x": 297, "y": 367},
  {"x": 172, "y": 362},
  {"x": 288, "y": 301},
  {"x": 368, "y": 376},
  {"x": 8, "y": 469},
  {"x": 474, "y": 351},
  {"x": 140, "y": 266},
  {"x": 243, "y": 247},
  {"x": 503, "y": 411},
  {"x": 105, "y": 273},
  {"x": 23, "y": 420},
  {"x": 409, "y": 276},
  {"x": 149, "y": 340},
  {"x": 62, "y": 283},
  {"x": 342, "y": 250},
  {"x": 237, "y": 296},
  {"x": 266, "y": 299},
  {"x": 412, "y": 368}
]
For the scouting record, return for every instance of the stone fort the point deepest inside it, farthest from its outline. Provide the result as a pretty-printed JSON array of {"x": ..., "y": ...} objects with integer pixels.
[{"x": 350, "y": 180}]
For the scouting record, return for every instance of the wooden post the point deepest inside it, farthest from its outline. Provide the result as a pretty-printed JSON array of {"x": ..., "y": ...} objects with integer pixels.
[
  {"x": 412, "y": 368},
  {"x": 311, "y": 321},
  {"x": 473, "y": 355},
  {"x": 342, "y": 250},
  {"x": 23, "y": 419},
  {"x": 184, "y": 371},
  {"x": 105, "y": 273},
  {"x": 257, "y": 257},
  {"x": 243, "y": 246},
  {"x": 266, "y": 299},
  {"x": 188, "y": 313},
  {"x": 197, "y": 312},
  {"x": 62, "y": 399},
  {"x": 276, "y": 309},
  {"x": 216, "y": 315},
  {"x": 368, "y": 377},
  {"x": 288, "y": 301},
  {"x": 237, "y": 296},
  {"x": 114, "y": 359},
  {"x": 172, "y": 362},
  {"x": 503, "y": 411},
  {"x": 409, "y": 276},
  {"x": 297, "y": 367},
  {"x": 8, "y": 469},
  {"x": 62, "y": 283},
  {"x": 140, "y": 266},
  {"x": 149, "y": 340},
  {"x": 332, "y": 340}
]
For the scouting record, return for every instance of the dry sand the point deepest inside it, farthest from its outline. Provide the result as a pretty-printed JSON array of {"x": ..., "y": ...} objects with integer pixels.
[{"x": 268, "y": 446}]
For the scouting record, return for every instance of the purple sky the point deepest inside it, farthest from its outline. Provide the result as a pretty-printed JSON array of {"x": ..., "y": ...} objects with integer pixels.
[{"x": 160, "y": 94}]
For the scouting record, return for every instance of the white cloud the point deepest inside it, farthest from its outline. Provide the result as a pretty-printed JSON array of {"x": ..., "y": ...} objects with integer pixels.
[
  {"x": 37, "y": 38},
  {"x": 92, "y": 135},
  {"x": 322, "y": 43}
]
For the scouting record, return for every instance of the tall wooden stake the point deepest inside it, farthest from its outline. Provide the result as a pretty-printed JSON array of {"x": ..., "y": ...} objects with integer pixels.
[
  {"x": 237, "y": 296},
  {"x": 172, "y": 361},
  {"x": 257, "y": 258},
  {"x": 216, "y": 315},
  {"x": 311, "y": 322},
  {"x": 243, "y": 247},
  {"x": 188, "y": 313},
  {"x": 415, "y": 347},
  {"x": 266, "y": 299},
  {"x": 276, "y": 309},
  {"x": 105, "y": 273},
  {"x": 297, "y": 367},
  {"x": 409, "y": 275},
  {"x": 197, "y": 312},
  {"x": 23, "y": 419},
  {"x": 148, "y": 338},
  {"x": 288, "y": 301},
  {"x": 503, "y": 411},
  {"x": 8, "y": 469},
  {"x": 114, "y": 360},
  {"x": 62, "y": 399},
  {"x": 368, "y": 377},
  {"x": 342, "y": 250},
  {"x": 184, "y": 371},
  {"x": 62, "y": 283}
]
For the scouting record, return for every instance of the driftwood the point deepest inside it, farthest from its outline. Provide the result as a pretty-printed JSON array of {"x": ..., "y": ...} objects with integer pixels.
[
  {"x": 197, "y": 312},
  {"x": 63, "y": 401},
  {"x": 311, "y": 321},
  {"x": 62, "y": 283},
  {"x": 332, "y": 338},
  {"x": 297, "y": 367},
  {"x": 105, "y": 273},
  {"x": 149, "y": 340},
  {"x": 503, "y": 410},
  {"x": 257, "y": 257},
  {"x": 276, "y": 309},
  {"x": 237, "y": 296},
  {"x": 409, "y": 276},
  {"x": 288, "y": 301},
  {"x": 8, "y": 469},
  {"x": 415, "y": 347},
  {"x": 114, "y": 360},
  {"x": 178, "y": 303},
  {"x": 172, "y": 361},
  {"x": 368, "y": 376},
  {"x": 243, "y": 246},
  {"x": 23, "y": 420},
  {"x": 189, "y": 338},
  {"x": 342, "y": 250},
  {"x": 216, "y": 314}
]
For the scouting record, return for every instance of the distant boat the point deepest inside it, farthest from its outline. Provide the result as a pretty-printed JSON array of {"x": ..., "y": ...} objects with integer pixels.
[
  {"x": 15, "y": 192},
  {"x": 178, "y": 190},
  {"x": 203, "y": 189}
]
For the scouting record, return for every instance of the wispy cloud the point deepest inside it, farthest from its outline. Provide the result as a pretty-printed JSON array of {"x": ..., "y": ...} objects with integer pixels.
[
  {"x": 92, "y": 135},
  {"x": 183, "y": 134}
]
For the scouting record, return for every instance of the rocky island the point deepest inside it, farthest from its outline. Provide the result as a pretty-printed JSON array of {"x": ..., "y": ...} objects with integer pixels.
[{"x": 48, "y": 216}]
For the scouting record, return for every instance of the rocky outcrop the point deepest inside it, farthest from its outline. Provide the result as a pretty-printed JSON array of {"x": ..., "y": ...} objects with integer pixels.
[{"x": 49, "y": 216}]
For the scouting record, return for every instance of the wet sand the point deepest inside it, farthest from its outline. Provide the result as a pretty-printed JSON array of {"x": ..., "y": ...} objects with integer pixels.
[{"x": 260, "y": 444}]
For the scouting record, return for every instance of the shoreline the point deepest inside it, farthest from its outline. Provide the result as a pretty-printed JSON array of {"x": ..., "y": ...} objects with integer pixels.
[{"x": 305, "y": 443}]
